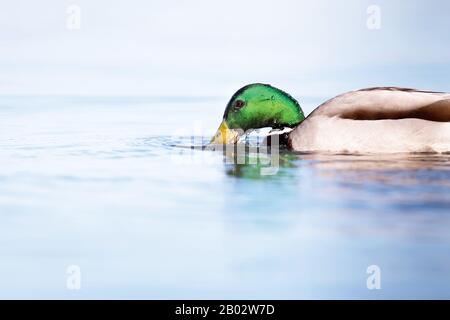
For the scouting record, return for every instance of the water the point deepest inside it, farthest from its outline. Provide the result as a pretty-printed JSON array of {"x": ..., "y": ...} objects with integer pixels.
[{"x": 99, "y": 183}]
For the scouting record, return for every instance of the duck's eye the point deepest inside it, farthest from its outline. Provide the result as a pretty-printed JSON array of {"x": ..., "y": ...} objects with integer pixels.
[{"x": 239, "y": 104}]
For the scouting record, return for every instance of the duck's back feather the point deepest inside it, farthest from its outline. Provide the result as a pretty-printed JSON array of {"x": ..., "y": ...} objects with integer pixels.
[
  {"x": 388, "y": 103},
  {"x": 385, "y": 119}
]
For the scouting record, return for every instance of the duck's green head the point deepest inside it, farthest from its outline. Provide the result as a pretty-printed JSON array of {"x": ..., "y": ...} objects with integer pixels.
[{"x": 257, "y": 106}]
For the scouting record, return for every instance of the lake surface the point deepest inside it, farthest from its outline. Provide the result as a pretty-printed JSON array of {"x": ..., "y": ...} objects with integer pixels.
[{"x": 101, "y": 186}]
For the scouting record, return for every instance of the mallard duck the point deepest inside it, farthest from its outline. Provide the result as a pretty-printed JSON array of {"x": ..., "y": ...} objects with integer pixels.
[{"x": 372, "y": 120}]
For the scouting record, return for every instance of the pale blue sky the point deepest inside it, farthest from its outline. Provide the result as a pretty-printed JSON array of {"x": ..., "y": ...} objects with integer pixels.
[{"x": 204, "y": 47}]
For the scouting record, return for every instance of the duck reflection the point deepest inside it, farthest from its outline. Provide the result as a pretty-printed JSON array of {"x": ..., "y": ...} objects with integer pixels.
[
  {"x": 397, "y": 169},
  {"x": 251, "y": 166},
  {"x": 393, "y": 195},
  {"x": 253, "y": 162}
]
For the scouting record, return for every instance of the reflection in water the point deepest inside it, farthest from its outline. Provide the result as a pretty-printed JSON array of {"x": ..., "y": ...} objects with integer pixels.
[
  {"x": 398, "y": 188},
  {"x": 340, "y": 214},
  {"x": 402, "y": 169},
  {"x": 250, "y": 166}
]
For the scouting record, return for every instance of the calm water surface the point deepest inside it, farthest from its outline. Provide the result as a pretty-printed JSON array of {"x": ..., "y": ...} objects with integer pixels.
[{"x": 101, "y": 184}]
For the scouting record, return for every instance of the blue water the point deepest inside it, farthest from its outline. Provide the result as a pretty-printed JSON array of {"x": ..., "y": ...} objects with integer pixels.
[{"x": 103, "y": 184}]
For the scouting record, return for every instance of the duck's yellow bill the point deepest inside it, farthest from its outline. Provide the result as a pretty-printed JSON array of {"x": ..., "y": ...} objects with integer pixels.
[{"x": 225, "y": 135}]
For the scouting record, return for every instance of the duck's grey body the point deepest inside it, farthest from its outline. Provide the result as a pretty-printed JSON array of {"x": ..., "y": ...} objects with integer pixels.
[{"x": 377, "y": 120}]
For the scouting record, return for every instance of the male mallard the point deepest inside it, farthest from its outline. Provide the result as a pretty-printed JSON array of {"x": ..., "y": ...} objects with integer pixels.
[{"x": 373, "y": 120}]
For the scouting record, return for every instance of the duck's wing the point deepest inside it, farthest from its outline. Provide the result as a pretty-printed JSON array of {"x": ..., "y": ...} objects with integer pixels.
[
  {"x": 383, "y": 103},
  {"x": 377, "y": 120}
]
